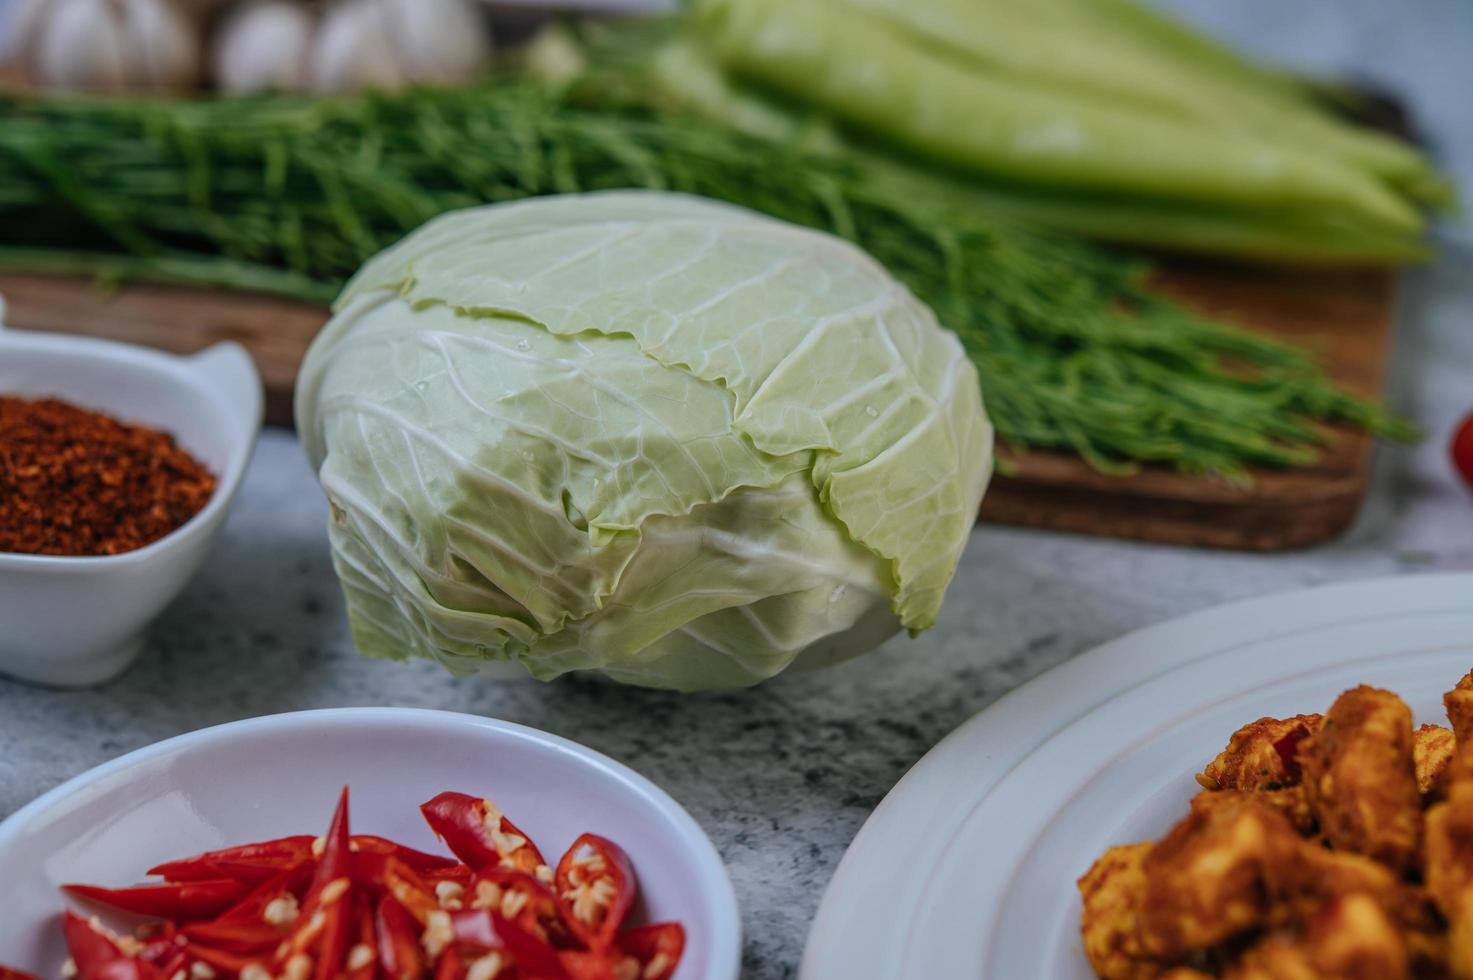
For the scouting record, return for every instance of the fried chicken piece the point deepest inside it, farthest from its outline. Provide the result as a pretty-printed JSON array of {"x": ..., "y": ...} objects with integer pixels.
[
  {"x": 1205, "y": 881},
  {"x": 1348, "y": 938},
  {"x": 1260, "y": 755},
  {"x": 1307, "y": 843},
  {"x": 1352, "y": 937},
  {"x": 1360, "y": 779},
  {"x": 1290, "y": 801},
  {"x": 1447, "y": 865},
  {"x": 1276, "y": 957},
  {"x": 1112, "y": 890},
  {"x": 1458, "y": 703},
  {"x": 1304, "y": 874},
  {"x": 1432, "y": 750},
  {"x": 1428, "y": 952},
  {"x": 1447, "y": 859},
  {"x": 1458, "y": 772},
  {"x": 1317, "y": 876}
]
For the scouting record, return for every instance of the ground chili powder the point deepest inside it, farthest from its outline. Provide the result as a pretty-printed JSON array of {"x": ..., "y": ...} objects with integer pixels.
[{"x": 76, "y": 482}]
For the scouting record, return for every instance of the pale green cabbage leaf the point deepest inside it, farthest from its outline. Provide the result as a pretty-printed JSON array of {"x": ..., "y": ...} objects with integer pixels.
[{"x": 643, "y": 433}]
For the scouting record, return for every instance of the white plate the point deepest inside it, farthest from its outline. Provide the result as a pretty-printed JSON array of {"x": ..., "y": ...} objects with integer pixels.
[
  {"x": 268, "y": 777},
  {"x": 967, "y": 868}
]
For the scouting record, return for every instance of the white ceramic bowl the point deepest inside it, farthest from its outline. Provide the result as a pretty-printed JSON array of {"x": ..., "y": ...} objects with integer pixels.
[
  {"x": 70, "y": 621},
  {"x": 268, "y": 777}
]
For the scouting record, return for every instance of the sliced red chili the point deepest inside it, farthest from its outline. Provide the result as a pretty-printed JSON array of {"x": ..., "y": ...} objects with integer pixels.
[
  {"x": 535, "y": 958},
  {"x": 273, "y": 902},
  {"x": 169, "y": 956},
  {"x": 1287, "y": 747},
  {"x": 127, "y": 968},
  {"x": 656, "y": 948},
  {"x": 248, "y": 862},
  {"x": 478, "y": 833},
  {"x": 519, "y": 897},
  {"x": 11, "y": 973},
  {"x": 181, "y": 901},
  {"x": 362, "y": 959},
  {"x": 336, "y": 860},
  {"x": 319, "y": 929},
  {"x": 235, "y": 937},
  {"x": 91, "y": 947},
  {"x": 332, "y": 953},
  {"x": 474, "y": 927},
  {"x": 97, "y": 955},
  {"x": 230, "y": 963},
  {"x": 418, "y": 860},
  {"x": 399, "y": 951},
  {"x": 585, "y": 964},
  {"x": 320, "y": 925},
  {"x": 368, "y": 871},
  {"x": 595, "y": 889},
  {"x": 458, "y": 873},
  {"x": 451, "y": 966},
  {"x": 362, "y": 907},
  {"x": 410, "y": 890},
  {"x": 161, "y": 944},
  {"x": 158, "y": 929}
]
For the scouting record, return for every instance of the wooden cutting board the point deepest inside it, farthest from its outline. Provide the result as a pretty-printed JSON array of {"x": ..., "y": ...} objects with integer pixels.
[{"x": 1344, "y": 315}]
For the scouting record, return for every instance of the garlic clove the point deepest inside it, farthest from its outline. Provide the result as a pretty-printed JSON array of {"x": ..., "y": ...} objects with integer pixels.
[
  {"x": 161, "y": 47},
  {"x": 77, "y": 44},
  {"x": 262, "y": 46},
  {"x": 353, "y": 50},
  {"x": 200, "y": 9},
  {"x": 106, "y": 45},
  {"x": 437, "y": 40},
  {"x": 22, "y": 23}
]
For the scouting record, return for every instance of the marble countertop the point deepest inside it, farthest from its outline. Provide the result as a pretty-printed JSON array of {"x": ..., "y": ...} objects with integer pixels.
[{"x": 782, "y": 776}]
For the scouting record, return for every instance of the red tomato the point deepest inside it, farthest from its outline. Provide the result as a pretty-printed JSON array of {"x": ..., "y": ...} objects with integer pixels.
[{"x": 1462, "y": 450}]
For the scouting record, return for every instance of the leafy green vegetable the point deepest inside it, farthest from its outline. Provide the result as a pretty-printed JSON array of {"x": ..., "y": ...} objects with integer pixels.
[
  {"x": 864, "y": 72},
  {"x": 1104, "y": 48},
  {"x": 678, "y": 73},
  {"x": 1074, "y": 350},
  {"x": 640, "y": 432},
  {"x": 1092, "y": 119}
]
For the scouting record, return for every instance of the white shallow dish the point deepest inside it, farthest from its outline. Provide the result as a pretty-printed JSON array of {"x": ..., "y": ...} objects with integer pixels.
[
  {"x": 73, "y": 622},
  {"x": 278, "y": 775},
  {"x": 967, "y": 868}
]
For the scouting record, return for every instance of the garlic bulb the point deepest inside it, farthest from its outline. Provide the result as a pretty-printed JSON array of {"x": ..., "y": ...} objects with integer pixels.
[
  {"x": 353, "y": 50},
  {"x": 106, "y": 45},
  {"x": 263, "y": 45},
  {"x": 391, "y": 43},
  {"x": 437, "y": 40}
]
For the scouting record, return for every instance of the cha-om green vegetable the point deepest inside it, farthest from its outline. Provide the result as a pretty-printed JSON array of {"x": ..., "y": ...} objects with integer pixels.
[
  {"x": 671, "y": 440},
  {"x": 1074, "y": 349}
]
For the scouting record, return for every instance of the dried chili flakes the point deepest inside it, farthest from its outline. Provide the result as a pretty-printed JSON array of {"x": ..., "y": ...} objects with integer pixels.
[{"x": 77, "y": 482}]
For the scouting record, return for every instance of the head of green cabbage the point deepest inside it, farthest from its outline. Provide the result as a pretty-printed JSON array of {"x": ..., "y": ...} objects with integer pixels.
[{"x": 640, "y": 433}]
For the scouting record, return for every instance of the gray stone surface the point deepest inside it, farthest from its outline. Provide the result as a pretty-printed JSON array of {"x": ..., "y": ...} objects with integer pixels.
[{"x": 782, "y": 776}]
